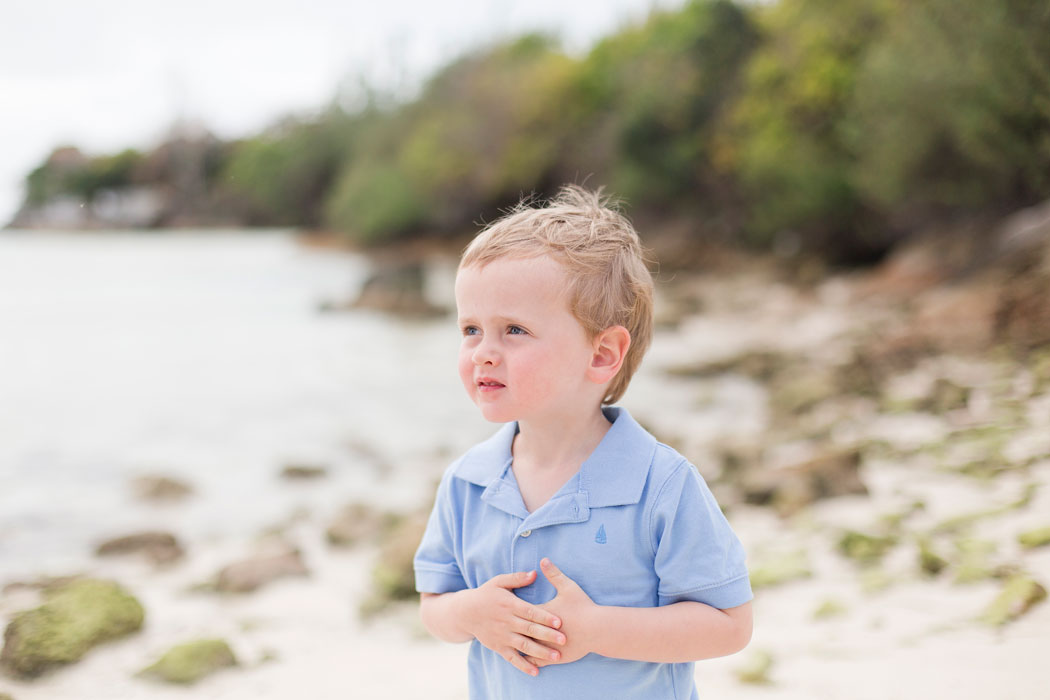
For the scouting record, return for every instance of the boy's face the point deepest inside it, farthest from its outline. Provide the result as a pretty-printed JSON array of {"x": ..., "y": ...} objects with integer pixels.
[{"x": 524, "y": 355}]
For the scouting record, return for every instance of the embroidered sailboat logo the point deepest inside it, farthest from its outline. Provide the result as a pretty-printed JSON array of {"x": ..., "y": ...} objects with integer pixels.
[{"x": 599, "y": 537}]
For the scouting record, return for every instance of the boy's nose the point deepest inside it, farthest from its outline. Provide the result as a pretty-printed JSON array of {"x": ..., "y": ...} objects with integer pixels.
[{"x": 485, "y": 354}]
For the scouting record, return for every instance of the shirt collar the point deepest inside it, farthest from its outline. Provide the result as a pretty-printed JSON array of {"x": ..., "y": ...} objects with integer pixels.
[{"x": 613, "y": 475}]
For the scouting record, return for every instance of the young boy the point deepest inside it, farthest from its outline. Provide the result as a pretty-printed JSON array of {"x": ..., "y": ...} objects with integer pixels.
[{"x": 640, "y": 573}]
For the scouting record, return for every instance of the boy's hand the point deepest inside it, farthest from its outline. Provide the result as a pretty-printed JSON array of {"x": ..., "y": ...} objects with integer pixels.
[
  {"x": 509, "y": 626},
  {"x": 574, "y": 608}
]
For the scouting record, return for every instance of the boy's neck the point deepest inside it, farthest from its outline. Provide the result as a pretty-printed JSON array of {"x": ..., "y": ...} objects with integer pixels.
[{"x": 559, "y": 445}]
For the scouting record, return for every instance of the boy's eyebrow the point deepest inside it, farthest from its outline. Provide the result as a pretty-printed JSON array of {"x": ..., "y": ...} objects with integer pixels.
[{"x": 509, "y": 320}]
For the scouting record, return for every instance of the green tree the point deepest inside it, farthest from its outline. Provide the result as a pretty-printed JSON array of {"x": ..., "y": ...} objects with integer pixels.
[
  {"x": 283, "y": 176},
  {"x": 484, "y": 130},
  {"x": 952, "y": 110},
  {"x": 652, "y": 97},
  {"x": 786, "y": 139}
]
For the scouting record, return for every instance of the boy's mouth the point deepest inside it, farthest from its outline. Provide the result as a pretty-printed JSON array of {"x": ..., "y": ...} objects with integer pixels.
[{"x": 489, "y": 384}]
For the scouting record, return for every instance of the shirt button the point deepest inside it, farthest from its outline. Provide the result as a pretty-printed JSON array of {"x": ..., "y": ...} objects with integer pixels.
[{"x": 526, "y": 533}]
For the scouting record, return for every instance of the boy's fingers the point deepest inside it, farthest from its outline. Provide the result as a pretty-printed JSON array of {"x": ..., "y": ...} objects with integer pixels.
[
  {"x": 540, "y": 633},
  {"x": 514, "y": 580},
  {"x": 530, "y": 647},
  {"x": 538, "y": 663},
  {"x": 534, "y": 614},
  {"x": 518, "y": 661},
  {"x": 554, "y": 574}
]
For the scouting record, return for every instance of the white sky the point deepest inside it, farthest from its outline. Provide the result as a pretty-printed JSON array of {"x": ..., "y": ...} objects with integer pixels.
[{"x": 108, "y": 74}]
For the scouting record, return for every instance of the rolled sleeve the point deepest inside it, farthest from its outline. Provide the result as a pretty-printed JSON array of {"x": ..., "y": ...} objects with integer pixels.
[
  {"x": 436, "y": 568},
  {"x": 698, "y": 556}
]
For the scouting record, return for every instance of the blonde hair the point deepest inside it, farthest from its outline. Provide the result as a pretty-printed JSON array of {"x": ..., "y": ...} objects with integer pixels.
[{"x": 609, "y": 283}]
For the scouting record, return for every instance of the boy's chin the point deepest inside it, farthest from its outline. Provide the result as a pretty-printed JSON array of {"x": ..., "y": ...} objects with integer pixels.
[{"x": 495, "y": 415}]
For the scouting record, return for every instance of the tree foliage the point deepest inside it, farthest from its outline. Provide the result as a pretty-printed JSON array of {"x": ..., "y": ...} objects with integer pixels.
[{"x": 841, "y": 124}]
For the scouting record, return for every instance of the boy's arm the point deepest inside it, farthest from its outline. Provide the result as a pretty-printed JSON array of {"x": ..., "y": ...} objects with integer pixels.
[
  {"x": 684, "y": 631},
  {"x": 497, "y": 618}
]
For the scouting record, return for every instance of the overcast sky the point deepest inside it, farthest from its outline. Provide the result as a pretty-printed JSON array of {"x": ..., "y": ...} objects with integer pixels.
[{"x": 108, "y": 74}]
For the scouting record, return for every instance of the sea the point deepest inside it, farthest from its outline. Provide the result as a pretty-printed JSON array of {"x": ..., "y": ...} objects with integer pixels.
[{"x": 205, "y": 356}]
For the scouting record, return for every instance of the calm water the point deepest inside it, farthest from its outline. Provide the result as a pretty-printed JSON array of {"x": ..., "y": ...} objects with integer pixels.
[{"x": 202, "y": 356}]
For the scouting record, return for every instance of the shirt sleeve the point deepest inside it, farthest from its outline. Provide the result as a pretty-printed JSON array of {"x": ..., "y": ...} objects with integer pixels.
[
  {"x": 698, "y": 556},
  {"x": 435, "y": 564}
]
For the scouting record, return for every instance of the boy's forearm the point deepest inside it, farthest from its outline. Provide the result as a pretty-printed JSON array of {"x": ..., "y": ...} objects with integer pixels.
[
  {"x": 441, "y": 617},
  {"x": 686, "y": 631}
]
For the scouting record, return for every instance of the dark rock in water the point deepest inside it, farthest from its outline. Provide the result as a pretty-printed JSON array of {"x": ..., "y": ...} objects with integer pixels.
[
  {"x": 395, "y": 288},
  {"x": 188, "y": 663},
  {"x": 294, "y": 472},
  {"x": 358, "y": 523},
  {"x": 159, "y": 547},
  {"x": 160, "y": 488},
  {"x": 789, "y": 489},
  {"x": 250, "y": 574},
  {"x": 1019, "y": 594},
  {"x": 74, "y": 617}
]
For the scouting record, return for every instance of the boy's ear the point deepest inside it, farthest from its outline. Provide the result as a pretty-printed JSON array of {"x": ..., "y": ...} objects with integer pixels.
[{"x": 610, "y": 350}]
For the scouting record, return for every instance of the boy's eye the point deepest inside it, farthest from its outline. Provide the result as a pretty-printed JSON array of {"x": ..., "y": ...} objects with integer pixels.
[
  {"x": 516, "y": 330},
  {"x": 471, "y": 330}
]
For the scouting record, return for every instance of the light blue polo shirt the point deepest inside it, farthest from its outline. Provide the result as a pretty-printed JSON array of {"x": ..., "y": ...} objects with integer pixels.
[{"x": 636, "y": 526}]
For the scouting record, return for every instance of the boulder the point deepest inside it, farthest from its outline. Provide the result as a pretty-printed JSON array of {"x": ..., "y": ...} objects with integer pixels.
[
  {"x": 189, "y": 662},
  {"x": 358, "y": 523},
  {"x": 74, "y": 617},
  {"x": 789, "y": 489},
  {"x": 302, "y": 472},
  {"x": 157, "y": 488},
  {"x": 250, "y": 574},
  {"x": 960, "y": 317},
  {"x": 396, "y": 288},
  {"x": 158, "y": 547}
]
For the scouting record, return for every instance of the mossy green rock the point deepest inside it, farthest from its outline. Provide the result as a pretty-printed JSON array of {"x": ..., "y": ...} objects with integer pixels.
[
  {"x": 930, "y": 562},
  {"x": 781, "y": 569},
  {"x": 756, "y": 669},
  {"x": 973, "y": 560},
  {"x": 189, "y": 662},
  {"x": 74, "y": 617},
  {"x": 1019, "y": 594},
  {"x": 1035, "y": 538},
  {"x": 393, "y": 577},
  {"x": 864, "y": 548},
  {"x": 828, "y": 609}
]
